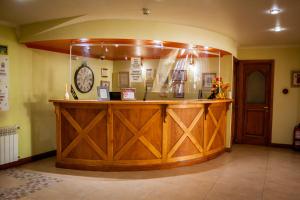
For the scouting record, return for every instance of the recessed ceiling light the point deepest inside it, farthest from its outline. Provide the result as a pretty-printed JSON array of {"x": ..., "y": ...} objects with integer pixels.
[
  {"x": 84, "y": 40},
  {"x": 277, "y": 29},
  {"x": 146, "y": 11},
  {"x": 274, "y": 11}
]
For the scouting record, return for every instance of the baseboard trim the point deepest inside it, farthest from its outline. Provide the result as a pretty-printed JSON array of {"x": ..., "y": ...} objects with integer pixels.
[
  {"x": 287, "y": 146},
  {"x": 28, "y": 159}
]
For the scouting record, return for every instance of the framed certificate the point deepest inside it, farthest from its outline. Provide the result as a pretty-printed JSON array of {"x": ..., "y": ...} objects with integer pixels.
[
  {"x": 103, "y": 94},
  {"x": 123, "y": 79},
  {"x": 295, "y": 78},
  {"x": 104, "y": 72},
  {"x": 128, "y": 94}
]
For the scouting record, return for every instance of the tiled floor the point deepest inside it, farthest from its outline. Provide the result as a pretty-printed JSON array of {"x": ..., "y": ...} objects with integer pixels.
[{"x": 248, "y": 172}]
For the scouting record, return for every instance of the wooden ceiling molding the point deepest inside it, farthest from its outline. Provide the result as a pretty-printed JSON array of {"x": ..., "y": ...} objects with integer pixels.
[{"x": 119, "y": 49}]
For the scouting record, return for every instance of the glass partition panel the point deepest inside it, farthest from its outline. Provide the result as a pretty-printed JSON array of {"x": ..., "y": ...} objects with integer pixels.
[{"x": 155, "y": 71}]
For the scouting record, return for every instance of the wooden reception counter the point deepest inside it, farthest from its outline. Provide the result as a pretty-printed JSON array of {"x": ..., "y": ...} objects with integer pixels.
[{"x": 138, "y": 135}]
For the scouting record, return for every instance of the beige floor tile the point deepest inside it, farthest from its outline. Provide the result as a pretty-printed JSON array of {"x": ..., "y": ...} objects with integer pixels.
[
  {"x": 278, "y": 190},
  {"x": 224, "y": 191},
  {"x": 248, "y": 172}
]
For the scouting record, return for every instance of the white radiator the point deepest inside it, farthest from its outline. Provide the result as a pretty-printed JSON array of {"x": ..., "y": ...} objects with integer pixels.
[{"x": 8, "y": 144}]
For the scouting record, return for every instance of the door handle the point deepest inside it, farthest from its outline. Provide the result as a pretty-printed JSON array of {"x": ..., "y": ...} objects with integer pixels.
[{"x": 266, "y": 107}]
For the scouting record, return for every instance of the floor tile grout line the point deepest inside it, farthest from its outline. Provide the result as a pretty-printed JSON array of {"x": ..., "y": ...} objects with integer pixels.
[
  {"x": 266, "y": 173},
  {"x": 213, "y": 186}
]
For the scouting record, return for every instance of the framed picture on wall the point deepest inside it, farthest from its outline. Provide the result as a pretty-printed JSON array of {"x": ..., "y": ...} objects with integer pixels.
[
  {"x": 149, "y": 85},
  {"x": 105, "y": 84},
  {"x": 149, "y": 74},
  {"x": 207, "y": 79},
  {"x": 178, "y": 88},
  {"x": 123, "y": 79},
  {"x": 104, "y": 72},
  {"x": 295, "y": 78},
  {"x": 179, "y": 75}
]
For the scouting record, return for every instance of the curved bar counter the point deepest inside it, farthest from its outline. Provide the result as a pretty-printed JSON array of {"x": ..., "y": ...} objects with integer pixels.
[{"x": 138, "y": 135}]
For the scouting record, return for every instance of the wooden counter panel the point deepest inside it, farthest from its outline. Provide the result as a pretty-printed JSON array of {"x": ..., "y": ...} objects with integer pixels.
[
  {"x": 137, "y": 132},
  {"x": 80, "y": 135},
  {"x": 215, "y": 127},
  {"x": 138, "y": 136},
  {"x": 185, "y": 131}
]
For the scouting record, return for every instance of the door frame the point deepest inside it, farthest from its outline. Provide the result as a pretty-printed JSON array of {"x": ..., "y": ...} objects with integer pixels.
[{"x": 239, "y": 102}]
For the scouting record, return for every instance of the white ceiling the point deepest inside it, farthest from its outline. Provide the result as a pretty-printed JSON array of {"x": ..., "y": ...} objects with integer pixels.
[{"x": 246, "y": 21}]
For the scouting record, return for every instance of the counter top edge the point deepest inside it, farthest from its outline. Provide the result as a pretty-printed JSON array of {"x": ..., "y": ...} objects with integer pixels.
[{"x": 192, "y": 101}]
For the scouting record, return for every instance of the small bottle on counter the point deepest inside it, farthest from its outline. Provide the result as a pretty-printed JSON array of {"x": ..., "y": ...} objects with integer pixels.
[{"x": 67, "y": 96}]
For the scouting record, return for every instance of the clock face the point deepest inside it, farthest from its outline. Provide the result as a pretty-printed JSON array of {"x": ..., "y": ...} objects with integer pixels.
[{"x": 84, "y": 79}]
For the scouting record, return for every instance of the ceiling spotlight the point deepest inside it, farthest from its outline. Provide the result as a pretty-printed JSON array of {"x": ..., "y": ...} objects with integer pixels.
[
  {"x": 126, "y": 58},
  {"x": 116, "y": 45},
  {"x": 182, "y": 52},
  {"x": 84, "y": 40},
  {"x": 277, "y": 29},
  {"x": 106, "y": 49},
  {"x": 274, "y": 11},
  {"x": 146, "y": 11}
]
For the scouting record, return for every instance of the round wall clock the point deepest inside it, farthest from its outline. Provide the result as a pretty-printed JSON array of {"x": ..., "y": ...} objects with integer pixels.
[{"x": 84, "y": 79}]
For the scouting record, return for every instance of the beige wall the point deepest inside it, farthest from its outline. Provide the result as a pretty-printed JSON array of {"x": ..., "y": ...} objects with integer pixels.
[{"x": 286, "y": 108}]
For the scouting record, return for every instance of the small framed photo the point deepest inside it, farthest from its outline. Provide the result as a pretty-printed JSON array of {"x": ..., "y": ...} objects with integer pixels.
[
  {"x": 123, "y": 79},
  {"x": 149, "y": 74},
  {"x": 178, "y": 88},
  {"x": 104, "y": 72},
  {"x": 207, "y": 79},
  {"x": 105, "y": 84},
  {"x": 128, "y": 94},
  {"x": 149, "y": 85},
  {"x": 295, "y": 78},
  {"x": 179, "y": 75},
  {"x": 103, "y": 93}
]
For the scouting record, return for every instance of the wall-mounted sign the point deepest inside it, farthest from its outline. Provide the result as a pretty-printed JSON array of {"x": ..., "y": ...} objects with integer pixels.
[
  {"x": 136, "y": 62},
  {"x": 136, "y": 70},
  {"x": 3, "y": 78}
]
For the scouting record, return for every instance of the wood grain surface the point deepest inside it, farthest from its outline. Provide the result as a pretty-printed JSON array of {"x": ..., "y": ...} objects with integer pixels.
[{"x": 138, "y": 135}]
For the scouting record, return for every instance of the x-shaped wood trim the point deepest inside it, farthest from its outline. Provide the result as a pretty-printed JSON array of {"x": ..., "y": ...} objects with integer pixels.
[
  {"x": 217, "y": 125},
  {"x": 83, "y": 134},
  {"x": 138, "y": 135},
  {"x": 187, "y": 132}
]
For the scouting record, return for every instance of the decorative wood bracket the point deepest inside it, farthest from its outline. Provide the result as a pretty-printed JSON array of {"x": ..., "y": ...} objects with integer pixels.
[
  {"x": 164, "y": 112},
  {"x": 206, "y": 105}
]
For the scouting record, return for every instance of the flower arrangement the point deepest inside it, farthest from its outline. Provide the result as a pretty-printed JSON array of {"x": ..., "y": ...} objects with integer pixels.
[{"x": 219, "y": 89}]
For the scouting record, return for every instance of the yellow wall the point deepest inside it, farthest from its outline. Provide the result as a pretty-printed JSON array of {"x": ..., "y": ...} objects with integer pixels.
[
  {"x": 20, "y": 85},
  {"x": 286, "y": 108},
  {"x": 50, "y": 73},
  {"x": 35, "y": 76}
]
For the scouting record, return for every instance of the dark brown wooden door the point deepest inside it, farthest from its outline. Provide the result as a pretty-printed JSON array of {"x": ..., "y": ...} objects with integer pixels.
[{"x": 254, "y": 92}]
